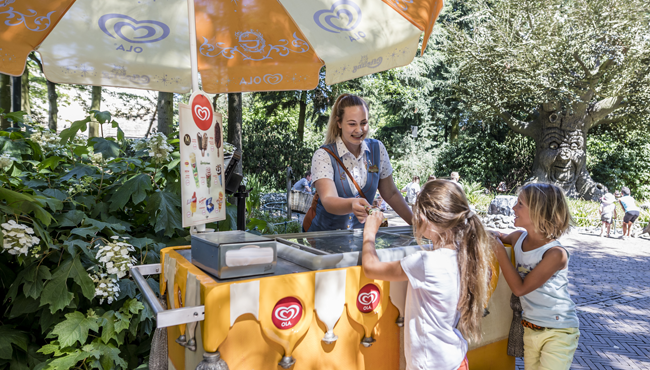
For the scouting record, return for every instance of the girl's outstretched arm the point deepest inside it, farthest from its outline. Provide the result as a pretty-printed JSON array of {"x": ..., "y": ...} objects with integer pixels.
[
  {"x": 372, "y": 266},
  {"x": 554, "y": 259}
]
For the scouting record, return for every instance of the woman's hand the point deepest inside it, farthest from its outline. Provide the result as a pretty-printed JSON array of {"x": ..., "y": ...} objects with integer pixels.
[{"x": 359, "y": 208}]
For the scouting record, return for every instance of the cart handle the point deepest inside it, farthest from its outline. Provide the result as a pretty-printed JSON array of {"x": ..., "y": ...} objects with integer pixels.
[{"x": 164, "y": 318}]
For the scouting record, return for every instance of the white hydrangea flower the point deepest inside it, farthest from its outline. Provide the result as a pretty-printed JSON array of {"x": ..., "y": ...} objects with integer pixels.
[
  {"x": 47, "y": 139},
  {"x": 97, "y": 159},
  {"x": 105, "y": 288},
  {"x": 19, "y": 239},
  {"x": 156, "y": 146}
]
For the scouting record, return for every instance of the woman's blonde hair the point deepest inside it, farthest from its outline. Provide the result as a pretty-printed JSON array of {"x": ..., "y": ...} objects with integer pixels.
[
  {"x": 548, "y": 209},
  {"x": 444, "y": 204},
  {"x": 342, "y": 102}
]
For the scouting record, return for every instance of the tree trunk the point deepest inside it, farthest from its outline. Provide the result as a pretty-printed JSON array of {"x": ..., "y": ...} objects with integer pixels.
[
  {"x": 52, "y": 100},
  {"x": 94, "y": 129},
  {"x": 5, "y": 99},
  {"x": 235, "y": 123},
  {"x": 454, "y": 131},
  {"x": 25, "y": 106},
  {"x": 301, "y": 116},
  {"x": 15, "y": 94},
  {"x": 165, "y": 112},
  {"x": 560, "y": 156}
]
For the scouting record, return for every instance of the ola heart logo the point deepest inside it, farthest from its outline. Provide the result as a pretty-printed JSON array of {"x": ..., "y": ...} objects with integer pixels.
[
  {"x": 368, "y": 298},
  {"x": 287, "y": 313},
  {"x": 202, "y": 112}
]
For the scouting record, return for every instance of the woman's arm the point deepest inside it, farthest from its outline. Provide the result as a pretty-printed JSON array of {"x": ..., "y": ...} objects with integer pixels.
[
  {"x": 554, "y": 259},
  {"x": 372, "y": 266},
  {"x": 392, "y": 196},
  {"x": 340, "y": 206}
]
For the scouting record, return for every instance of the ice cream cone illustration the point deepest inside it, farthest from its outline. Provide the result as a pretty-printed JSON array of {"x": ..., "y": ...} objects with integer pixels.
[
  {"x": 205, "y": 144},
  {"x": 195, "y": 170},
  {"x": 220, "y": 201},
  {"x": 219, "y": 173},
  {"x": 208, "y": 176},
  {"x": 217, "y": 136},
  {"x": 199, "y": 142},
  {"x": 193, "y": 204}
]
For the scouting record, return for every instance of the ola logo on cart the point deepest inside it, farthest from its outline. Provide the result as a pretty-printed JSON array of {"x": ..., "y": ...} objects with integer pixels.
[
  {"x": 368, "y": 298},
  {"x": 202, "y": 112},
  {"x": 287, "y": 313}
]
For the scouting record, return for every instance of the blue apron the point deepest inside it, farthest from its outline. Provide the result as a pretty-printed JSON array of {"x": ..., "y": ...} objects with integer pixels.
[{"x": 326, "y": 221}]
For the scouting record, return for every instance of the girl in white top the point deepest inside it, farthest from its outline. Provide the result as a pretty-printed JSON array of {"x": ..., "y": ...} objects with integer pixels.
[{"x": 448, "y": 280}]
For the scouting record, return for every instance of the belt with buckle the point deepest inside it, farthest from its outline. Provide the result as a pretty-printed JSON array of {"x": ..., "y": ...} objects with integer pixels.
[{"x": 530, "y": 325}]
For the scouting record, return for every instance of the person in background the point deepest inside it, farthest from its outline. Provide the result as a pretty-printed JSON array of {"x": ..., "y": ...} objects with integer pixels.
[
  {"x": 431, "y": 178},
  {"x": 412, "y": 190},
  {"x": 607, "y": 213},
  {"x": 541, "y": 278},
  {"x": 455, "y": 176},
  {"x": 631, "y": 211},
  {"x": 304, "y": 184}
]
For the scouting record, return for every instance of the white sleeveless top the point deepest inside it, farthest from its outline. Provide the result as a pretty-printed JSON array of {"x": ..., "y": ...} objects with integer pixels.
[{"x": 550, "y": 305}]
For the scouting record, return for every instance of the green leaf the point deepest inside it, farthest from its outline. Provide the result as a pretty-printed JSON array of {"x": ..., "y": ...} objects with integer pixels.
[
  {"x": 135, "y": 189},
  {"x": 79, "y": 171},
  {"x": 73, "y": 244},
  {"x": 80, "y": 150},
  {"x": 127, "y": 289},
  {"x": 110, "y": 355},
  {"x": 55, "y": 193},
  {"x": 56, "y": 293},
  {"x": 68, "y": 361},
  {"x": 108, "y": 148},
  {"x": 51, "y": 162},
  {"x": 119, "y": 228},
  {"x": 70, "y": 218},
  {"x": 74, "y": 329},
  {"x": 53, "y": 203},
  {"x": 34, "y": 287},
  {"x": 85, "y": 231},
  {"x": 25, "y": 203},
  {"x": 108, "y": 326},
  {"x": 23, "y": 305},
  {"x": 132, "y": 305},
  {"x": 101, "y": 116},
  {"x": 120, "y": 133},
  {"x": 9, "y": 336},
  {"x": 72, "y": 131},
  {"x": 166, "y": 208}
]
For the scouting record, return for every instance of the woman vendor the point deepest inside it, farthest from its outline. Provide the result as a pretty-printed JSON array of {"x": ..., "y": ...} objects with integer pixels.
[{"x": 346, "y": 196}]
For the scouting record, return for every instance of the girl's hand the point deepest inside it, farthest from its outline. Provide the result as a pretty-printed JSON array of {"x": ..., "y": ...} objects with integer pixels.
[
  {"x": 359, "y": 208},
  {"x": 373, "y": 222}
]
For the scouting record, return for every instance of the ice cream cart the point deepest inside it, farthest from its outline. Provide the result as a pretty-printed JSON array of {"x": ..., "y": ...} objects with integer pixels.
[{"x": 243, "y": 301}]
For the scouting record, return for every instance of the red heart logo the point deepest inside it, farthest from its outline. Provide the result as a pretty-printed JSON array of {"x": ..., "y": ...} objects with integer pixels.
[{"x": 202, "y": 112}]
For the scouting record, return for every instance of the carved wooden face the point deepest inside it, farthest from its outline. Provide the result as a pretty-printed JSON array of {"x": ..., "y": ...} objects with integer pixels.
[{"x": 562, "y": 155}]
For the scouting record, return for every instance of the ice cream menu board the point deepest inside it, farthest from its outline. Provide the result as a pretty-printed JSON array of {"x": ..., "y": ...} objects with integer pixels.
[{"x": 202, "y": 182}]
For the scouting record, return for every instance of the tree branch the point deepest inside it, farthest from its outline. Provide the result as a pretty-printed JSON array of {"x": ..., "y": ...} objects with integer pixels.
[
  {"x": 586, "y": 70},
  {"x": 603, "y": 108},
  {"x": 524, "y": 128},
  {"x": 32, "y": 56}
]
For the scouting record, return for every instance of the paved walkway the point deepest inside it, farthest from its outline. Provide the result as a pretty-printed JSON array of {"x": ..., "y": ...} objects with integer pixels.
[{"x": 609, "y": 279}]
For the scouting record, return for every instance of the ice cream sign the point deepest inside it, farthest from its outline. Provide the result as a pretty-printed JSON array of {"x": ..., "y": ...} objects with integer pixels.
[
  {"x": 287, "y": 313},
  {"x": 368, "y": 298},
  {"x": 202, "y": 186}
]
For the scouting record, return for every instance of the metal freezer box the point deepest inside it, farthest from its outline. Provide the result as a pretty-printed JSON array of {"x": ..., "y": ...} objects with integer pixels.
[{"x": 233, "y": 254}]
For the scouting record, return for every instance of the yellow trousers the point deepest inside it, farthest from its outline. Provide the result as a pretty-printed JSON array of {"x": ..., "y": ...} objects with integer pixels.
[{"x": 550, "y": 349}]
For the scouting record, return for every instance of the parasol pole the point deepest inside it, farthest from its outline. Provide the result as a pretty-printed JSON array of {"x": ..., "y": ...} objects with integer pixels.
[
  {"x": 193, "y": 55},
  {"x": 195, "y": 69}
]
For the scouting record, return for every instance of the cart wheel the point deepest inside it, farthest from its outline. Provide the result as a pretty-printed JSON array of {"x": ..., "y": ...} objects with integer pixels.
[
  {"x": 212, "y": 361},
  {"x": 191, "y": 345},
  {"x": 286, "y": 362}
]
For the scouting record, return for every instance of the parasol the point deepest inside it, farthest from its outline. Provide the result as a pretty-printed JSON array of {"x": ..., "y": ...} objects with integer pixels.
[{"x": 240, "y": 45}]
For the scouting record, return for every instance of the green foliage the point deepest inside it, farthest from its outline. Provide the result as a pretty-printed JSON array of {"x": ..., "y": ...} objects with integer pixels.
[
  {"x": 413, "y": 157},
  {"x": 73, "y": 195},
  {"x": 618, "y": 161},
  {"x": 488, "y": 157}
]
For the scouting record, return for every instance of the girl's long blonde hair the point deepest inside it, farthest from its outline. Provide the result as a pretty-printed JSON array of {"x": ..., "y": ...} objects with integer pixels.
[
  {"x": 444, "y": 204},
  {"x": 342, "y": 102}
]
